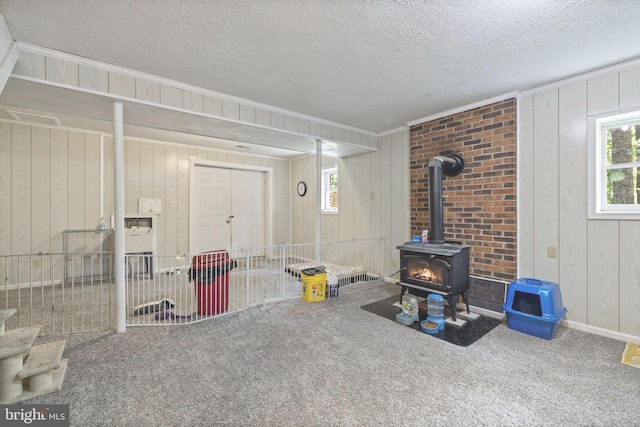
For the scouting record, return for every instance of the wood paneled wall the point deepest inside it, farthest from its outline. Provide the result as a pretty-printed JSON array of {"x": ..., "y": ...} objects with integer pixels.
[
  {"x": 373, "y": 198},
  {"x": 49, "y": 182},
  {"x": 597, "y": 266}
]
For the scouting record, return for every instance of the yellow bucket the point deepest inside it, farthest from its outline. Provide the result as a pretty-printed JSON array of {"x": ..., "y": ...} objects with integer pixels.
[{"x": 314, "y": 287}]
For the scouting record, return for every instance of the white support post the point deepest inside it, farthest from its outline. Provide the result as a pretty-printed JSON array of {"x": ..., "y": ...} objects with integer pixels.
[
  {"x": 118, "y": 203},
  {"x": 318, "y": 201},
  {"x": 101, "y": 176}
]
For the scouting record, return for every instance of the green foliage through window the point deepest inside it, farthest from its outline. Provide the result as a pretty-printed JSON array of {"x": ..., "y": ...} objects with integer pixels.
[{"x": 622, "y": 166}]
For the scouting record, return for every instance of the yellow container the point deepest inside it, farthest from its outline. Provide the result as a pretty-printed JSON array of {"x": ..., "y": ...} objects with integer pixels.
[{"x": 314, "y": 287}]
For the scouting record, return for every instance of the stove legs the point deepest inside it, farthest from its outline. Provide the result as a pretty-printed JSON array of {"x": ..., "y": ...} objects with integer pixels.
[
  {"x": 466, "y": 301},
  {"x": 452, "y": 299}
]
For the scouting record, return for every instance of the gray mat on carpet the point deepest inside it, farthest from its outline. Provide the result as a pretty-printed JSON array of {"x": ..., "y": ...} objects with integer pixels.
[{"x": 332, "y": 363}]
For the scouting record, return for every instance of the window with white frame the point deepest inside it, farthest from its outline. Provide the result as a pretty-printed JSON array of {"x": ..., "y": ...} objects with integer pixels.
[
  {"x": 330, "y": 190},
  {"x": 615, "y": 166}
]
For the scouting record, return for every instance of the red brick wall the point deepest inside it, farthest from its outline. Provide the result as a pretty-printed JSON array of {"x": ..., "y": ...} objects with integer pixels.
[{"x": 479, "y": 207}]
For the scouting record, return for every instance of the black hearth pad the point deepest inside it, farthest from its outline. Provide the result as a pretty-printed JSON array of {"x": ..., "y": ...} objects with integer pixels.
[{"x": 463, "y": 336}]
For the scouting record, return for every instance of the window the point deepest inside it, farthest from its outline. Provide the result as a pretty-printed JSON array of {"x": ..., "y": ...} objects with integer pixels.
[
  {"x": 330, "y": 190},
  {"x": 615, "y": 165}
]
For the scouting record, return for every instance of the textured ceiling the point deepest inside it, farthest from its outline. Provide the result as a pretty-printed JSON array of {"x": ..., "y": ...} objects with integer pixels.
[{"x": 373, "y": 65}]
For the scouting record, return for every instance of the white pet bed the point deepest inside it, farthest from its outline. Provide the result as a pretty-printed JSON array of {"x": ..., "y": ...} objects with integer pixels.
[{"x": 342, "y": 272}]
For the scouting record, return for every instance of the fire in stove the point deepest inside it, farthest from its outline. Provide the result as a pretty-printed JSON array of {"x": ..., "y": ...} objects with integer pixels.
[
  {"x": 428, "y": 276},
  {"x": 422, "y": 270}
]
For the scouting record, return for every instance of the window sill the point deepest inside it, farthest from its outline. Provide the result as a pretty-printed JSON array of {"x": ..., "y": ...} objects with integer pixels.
[{"x": 615, "y": 216}]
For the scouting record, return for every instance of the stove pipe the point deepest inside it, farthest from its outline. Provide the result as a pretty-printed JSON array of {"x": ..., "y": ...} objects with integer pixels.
[{"x": 451, "y": 165}]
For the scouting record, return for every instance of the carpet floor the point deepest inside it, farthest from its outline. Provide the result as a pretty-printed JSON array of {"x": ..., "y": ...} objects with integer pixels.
[{"x": 333, "y": 363}]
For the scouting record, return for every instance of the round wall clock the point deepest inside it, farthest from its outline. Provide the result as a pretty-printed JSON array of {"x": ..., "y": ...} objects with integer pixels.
[{"x": 302, "y": 188}]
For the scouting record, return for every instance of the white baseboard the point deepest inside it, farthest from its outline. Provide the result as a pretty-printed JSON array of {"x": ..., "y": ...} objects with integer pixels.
[
  {"x": 28, "y": 285},
  {"x": 620, "y": 336}
]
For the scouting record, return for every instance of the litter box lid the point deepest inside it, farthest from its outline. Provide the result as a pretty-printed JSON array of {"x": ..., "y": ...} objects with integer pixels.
[{"x": 549, "y": 293}]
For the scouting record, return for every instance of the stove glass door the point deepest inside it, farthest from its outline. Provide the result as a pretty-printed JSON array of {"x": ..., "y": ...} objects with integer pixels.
[{"x": 425, "y": 269}]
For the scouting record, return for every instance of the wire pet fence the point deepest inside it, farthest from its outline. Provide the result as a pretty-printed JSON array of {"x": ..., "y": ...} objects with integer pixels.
[{"x": 47, "y": 290}]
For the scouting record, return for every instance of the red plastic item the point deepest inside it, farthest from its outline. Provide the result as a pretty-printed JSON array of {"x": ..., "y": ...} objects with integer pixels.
[{"x": 210, "y": 272}]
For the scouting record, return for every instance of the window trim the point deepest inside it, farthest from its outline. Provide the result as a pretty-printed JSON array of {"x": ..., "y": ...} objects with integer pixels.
[
  {"x": 325, "y": 173},
  {"x": 596, "y": 197}
]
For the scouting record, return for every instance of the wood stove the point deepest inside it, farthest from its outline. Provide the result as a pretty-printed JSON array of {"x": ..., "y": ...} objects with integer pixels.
[
  {"x": 440, "y": 268},
  {"x": 437, "y": 265}
]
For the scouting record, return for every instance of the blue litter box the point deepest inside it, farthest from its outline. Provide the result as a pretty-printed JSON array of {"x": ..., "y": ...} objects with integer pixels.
[{"x": 534, "y": 307}]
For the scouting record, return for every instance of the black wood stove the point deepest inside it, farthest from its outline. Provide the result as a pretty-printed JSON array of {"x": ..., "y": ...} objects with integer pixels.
[
  {"x": 437, "y": 266},
  {"x": 443, "y": 268}
]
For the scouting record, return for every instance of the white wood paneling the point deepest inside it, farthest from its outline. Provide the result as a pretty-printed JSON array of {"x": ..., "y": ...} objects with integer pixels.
[
  {"x": 91, "y": 180},
  {"x": 212, "y": 105},
  {"x": 170, "y": 96},
  {"x": 122, "y": 85},
  {"x": 20, "y": 189},
  {"x": 290, "y": 124},
  {"x": 336, "y": 134},
  {"x": 304, "y": 126},
  {"x": 572, "y": 189},
  {"x": 630, "y": 277},
  {"x": 93, "y": 78},
  {"x": 147, "y": 91},
  {"x": 59, "y": 187},
  {"x": 60, "y": 71},
  {"x": 5, "y": 188},
  {"x": 400, "y": 191},
  {"x": 277, "y": 120},
  {"x": 303, "y": 207},
  {"x": 526, "y": 231},
  {"x": 170, "y": 210},
  {"x": 159, "y": 192},
  {"x": 315, "y": 129},
  {"x": 326, "y": 131},
  {"x": 602, "y": 94},
  {"x": 385, "y": 201},
  {"x": 31, "y": 65},
  {"x": 40, "y": 194},
  {"x": 76, "y": 172},
  {"x": 183, "y": 201},
  {"x": 192, "y": 101},
  {"x": 347, "y": 135},
  {"x": 545, "y": 188},
  {"x": 132, "y": 176},
  {"x": 384, "y": 173},
  {"x": 146, "y": 172},
  {"x": 263, "y": 117},
  {"x": 108, "y": 179},
  {"x": 247, "y": 114},
  {"x": 230, "y": 110},
  {"x": 603, "y": 274},
  {"x": 630, "y": 88}
]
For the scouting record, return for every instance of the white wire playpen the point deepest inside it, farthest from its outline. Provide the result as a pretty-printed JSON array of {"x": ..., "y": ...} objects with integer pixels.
[{"x": 75, "y": 292}]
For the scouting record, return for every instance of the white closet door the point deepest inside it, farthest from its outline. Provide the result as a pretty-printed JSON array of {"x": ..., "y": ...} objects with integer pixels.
[
  {"x": 212, "y": 205},
  {"x": 247, "y": 206},
  {"x": 229, "y": 209}
]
